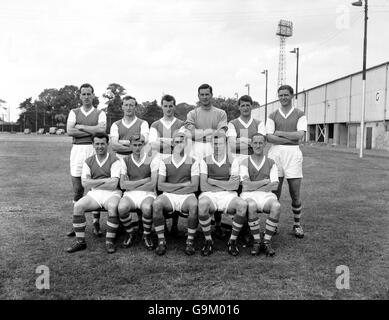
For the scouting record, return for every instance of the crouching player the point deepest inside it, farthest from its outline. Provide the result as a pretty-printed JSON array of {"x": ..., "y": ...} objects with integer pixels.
[
  {"x": 259, "y": 177},
  {"x": 101, "y": 174},
  {"x": 219, "y": 181},
  {"x": 178, "y": 178},
  {"x": 139, "y": 178}
]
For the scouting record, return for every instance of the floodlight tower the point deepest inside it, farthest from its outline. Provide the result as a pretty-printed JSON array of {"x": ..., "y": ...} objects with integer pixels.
[{"x": 284, "y": 30}]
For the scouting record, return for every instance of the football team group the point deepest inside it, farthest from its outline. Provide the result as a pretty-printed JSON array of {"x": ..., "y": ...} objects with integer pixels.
[{"x": 199, "y": 169}]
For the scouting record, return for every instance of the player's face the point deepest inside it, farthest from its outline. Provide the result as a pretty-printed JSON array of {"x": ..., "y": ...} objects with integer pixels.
[
  {"x": 179, "y": 144},
  {"x": 219, "y": 145},
  {"x": 245, "y": 108},
  {"x": 205, "y": 97},
  {"x": 137, "y": 147},
  {"x": 168, "y": 108},
  {"x": 258, "y": 144},
  {"x": 86, "y": 96},
  {"x": 128, "y": 107},
  {"x": 100, "y": 145},
  {"x": 285, "y": 97}
]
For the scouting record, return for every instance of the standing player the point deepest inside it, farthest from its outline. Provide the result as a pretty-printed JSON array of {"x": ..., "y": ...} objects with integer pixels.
[
  {"x": 82, "y": 123},
  {"x": 129, "y": 125},
  {"x": 100, "y": 173},
  {"x": 139, "y": 178},
  {"x": 285, "y": 128},
  {"x": 203, "y": 121},
  {"x": 259, "y": 177},
  {"x": 219, "y": 180},
  {"x": 240, "y": 130},
  {"x": 161, "y": 132},
  {"x": 178, "y": 178}
]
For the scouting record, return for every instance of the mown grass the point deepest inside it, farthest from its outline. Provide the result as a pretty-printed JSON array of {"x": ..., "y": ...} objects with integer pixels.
[{"x": 345, "y": 207}]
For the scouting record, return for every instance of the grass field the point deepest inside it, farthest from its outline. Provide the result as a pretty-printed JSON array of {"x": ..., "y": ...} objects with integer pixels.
[{"x": 345, "y": 216}]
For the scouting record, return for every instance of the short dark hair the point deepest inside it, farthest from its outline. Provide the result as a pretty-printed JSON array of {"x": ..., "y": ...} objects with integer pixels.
[
  {"x": 204, "y": 86},
  {"x": 168, "y": 98},
  {"x": 129, "y": 98},
  {"x": 137, "y": 137},
  {"x": 245, "y": 98},
  {"x": 100, "y": 135},
  {"x": 258, "y": 135},
  {"x": 286, "y": 87},
  {"x": 87, "y": 85}
]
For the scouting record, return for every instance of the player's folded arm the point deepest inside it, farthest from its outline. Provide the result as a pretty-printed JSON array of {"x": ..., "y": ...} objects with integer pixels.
[
  {"x": 151, "y": 184},
  {"x": 192, "y": 187},
  {"x": 109, "y": 184}
]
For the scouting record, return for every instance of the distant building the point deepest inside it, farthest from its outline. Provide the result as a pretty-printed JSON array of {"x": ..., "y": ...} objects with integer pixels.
[{"x": 333, "y": 110}]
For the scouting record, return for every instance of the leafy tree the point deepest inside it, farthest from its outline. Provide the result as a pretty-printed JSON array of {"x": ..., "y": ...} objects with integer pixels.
[
  {"x": 182, "y": 110},
  {"x": 152, "y": 112},
  {"x": 114, "y": 94}
]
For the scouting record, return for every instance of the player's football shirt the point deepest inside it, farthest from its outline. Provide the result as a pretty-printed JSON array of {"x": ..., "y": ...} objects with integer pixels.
[
  {"x": 267, "y": 169},
  {"x": 91, "y": 118},
  {"x": 294, "y": 121},
  {"x": 201, "y": 118},
  {"x": 219, "y": 170},
  {"x": 163, "y": 129},
  {"x": 238, "y": 128},
  {"x": 124, "y": 131},
  {"x": 108, "y": 168},
  {"x": 138, "y": 170},
  {"x": 178, "y": 172}
]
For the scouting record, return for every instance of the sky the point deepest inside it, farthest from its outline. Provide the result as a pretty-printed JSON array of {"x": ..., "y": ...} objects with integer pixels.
[{"x": 154, "y": 47}]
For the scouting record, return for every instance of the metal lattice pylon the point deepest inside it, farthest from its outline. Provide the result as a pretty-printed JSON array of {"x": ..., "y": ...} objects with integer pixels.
[{"x": 285, "y": 30}]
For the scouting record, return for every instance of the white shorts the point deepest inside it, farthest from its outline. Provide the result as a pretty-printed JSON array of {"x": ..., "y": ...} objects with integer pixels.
[
  {"x": 137, "y": 196},
  {"x": 78, "y": 154},
  {"x": 102, "y": 196},
  {"x": 177, "y": 200},
  {"x": 260, "y": 197},
  {"x": 220, "y": 199},
  {"x": 289, "y": 160}
]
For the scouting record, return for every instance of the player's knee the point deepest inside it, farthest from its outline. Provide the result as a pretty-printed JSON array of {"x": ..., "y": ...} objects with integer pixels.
[
  {"x": 122, "y": 209},
  {"x": 203, "y": 206},
  {"x": 276, "y": 206},
  {"x": 147, "y": 209},
  {"x": 252, "y": 207},
  {"x": 112, "y": 209},
  {"x": 79, "y": 208},
  {"x": 242, "y": 206},
  {"x": 158, "y": 207}
]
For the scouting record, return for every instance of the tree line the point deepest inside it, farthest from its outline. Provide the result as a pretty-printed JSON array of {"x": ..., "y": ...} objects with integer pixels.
[{"x": 52, "y": 107}]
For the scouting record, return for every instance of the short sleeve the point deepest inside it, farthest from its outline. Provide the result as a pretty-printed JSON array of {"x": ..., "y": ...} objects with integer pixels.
[
  {"x": 102, "y": 117},
  {"x": 302, "y": 124},
  {"x": 274, "y": 173},
  {"x": 153, "y": 135},
  {"x": 115, "y": 169},
  {"x": 262, "y": 128},
  {"x": 203, "y": 167},
  {"x": 114, "y": 131},
  {"x": 154, "y": 165},
  {"x": 270, "y": 126},
  {"x": 235, "y": 168},
  {"x": 71, "y": 117},
  {"x": 162, "y": 168},
  {"x": 231, "y": 132},
  {"x": 85, "y": 171},
  {"x": 194, "y": 170},
  {"x": 243, "y": 172},
  {"x": 123, "y": 167},
  {"x": 144, "y": 130}
]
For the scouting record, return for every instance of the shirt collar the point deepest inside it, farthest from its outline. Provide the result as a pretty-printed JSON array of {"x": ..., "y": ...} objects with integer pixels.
[
  {"x": 130, "y": 124},
  {"x": 286, "y": 116},
  {"x": 103, "y": 162},
  {"x": 85, "y": 112},
  {"x": 177, "y": 165},
  {"x": 168, "y": 125},
  {"x": 260, "y": 165},
  {"x": 142, "y": 160},
  {"x": 244, "y": 124},
  {"x": 219, "y": 164}
]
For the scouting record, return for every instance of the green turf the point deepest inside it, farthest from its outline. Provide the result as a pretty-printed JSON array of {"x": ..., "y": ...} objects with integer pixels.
[{"x": 345, "y": 216}]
